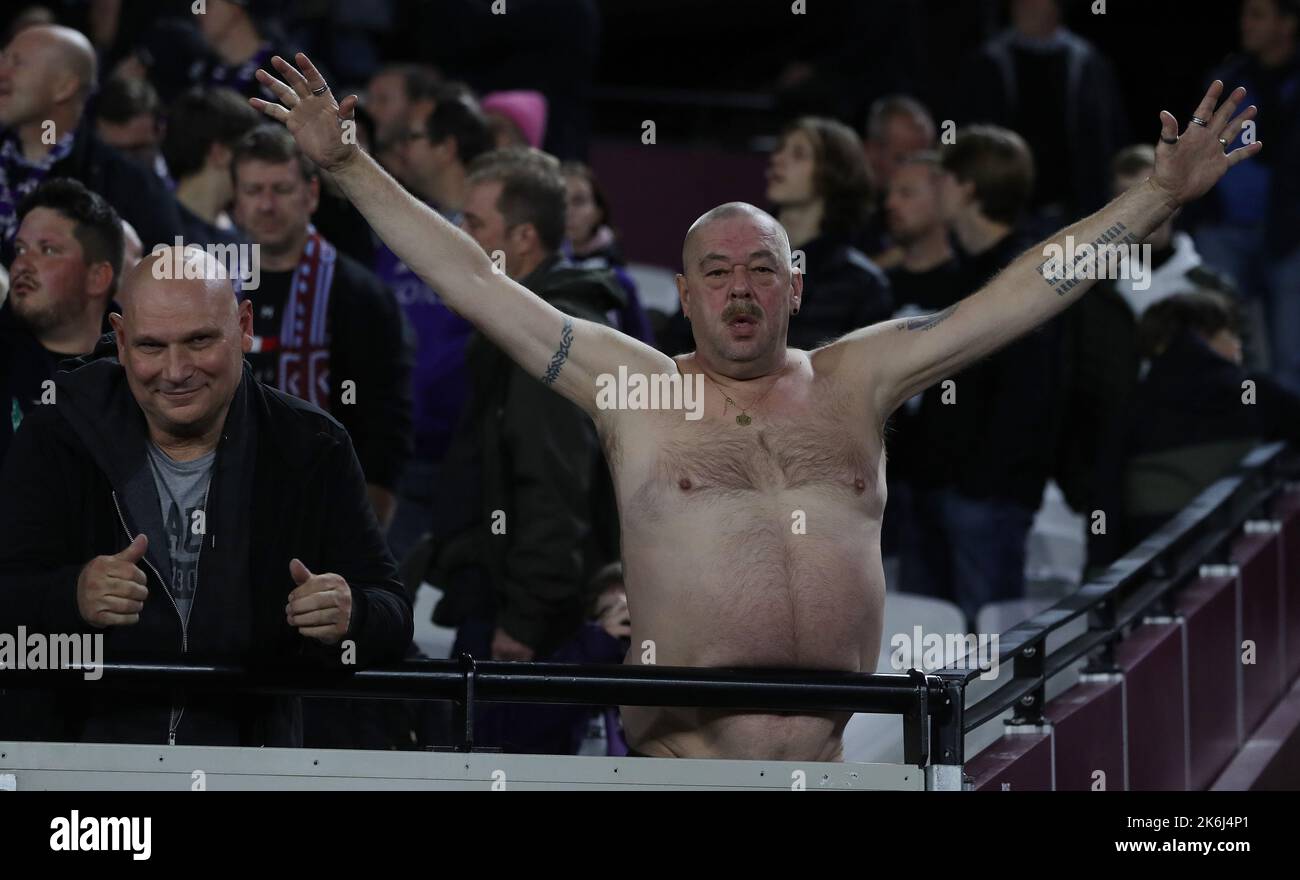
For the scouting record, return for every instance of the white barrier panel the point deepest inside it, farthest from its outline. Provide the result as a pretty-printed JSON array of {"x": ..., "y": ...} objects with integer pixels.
[{"x": 42, "y": 766}]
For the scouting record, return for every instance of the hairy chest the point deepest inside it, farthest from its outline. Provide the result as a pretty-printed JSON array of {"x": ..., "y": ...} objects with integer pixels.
[{"x": 824, "y": 450}]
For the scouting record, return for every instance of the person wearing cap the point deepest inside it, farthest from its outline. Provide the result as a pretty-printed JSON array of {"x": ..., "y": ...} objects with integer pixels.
[{"x": 518, "y": 118}]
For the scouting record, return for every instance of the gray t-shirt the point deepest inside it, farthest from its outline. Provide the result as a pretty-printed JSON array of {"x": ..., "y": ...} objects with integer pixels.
[{"x": 182, "y": 490}]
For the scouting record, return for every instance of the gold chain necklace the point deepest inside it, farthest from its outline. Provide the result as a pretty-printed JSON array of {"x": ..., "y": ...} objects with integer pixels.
[{"x": 743, "y": 418}]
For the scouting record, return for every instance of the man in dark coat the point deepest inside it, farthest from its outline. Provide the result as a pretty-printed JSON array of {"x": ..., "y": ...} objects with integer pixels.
[{"x": 169, "y": 455}]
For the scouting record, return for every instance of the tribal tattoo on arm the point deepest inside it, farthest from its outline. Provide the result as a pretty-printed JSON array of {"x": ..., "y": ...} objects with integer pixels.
[{"x": 561, "y": 353}]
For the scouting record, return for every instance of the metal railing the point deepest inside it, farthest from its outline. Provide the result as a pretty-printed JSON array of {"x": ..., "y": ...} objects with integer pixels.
[
  {"x": 1140, "y": 583},
  {"x": 928, "y": 707}
]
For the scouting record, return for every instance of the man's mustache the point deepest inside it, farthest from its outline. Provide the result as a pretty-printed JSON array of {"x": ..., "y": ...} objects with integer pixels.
[{"x": 741, "y": 309}]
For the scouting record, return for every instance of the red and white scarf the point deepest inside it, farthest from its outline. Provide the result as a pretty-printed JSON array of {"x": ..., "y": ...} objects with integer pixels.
[{"x": 304, "y": 331}]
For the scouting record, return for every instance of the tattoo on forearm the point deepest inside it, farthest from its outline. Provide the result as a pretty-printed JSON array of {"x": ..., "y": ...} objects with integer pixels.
[
  {"x": 926, "y": 322},
  {"x": 561, "y": 353},
  {"x": 1067, "y": 266}
]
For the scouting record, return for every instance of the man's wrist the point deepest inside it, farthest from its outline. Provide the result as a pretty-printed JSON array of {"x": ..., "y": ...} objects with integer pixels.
[
  {"x": 1167, "y": 198},
  {"x": 347, "y": 167}
]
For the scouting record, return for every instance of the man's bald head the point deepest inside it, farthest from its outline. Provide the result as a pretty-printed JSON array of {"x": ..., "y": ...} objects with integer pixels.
[
  {"x": 738, "y": 289},
  {"x": 45, "y": 68},
  {"x": 188, "y": 274},
  {"x": 731, "y": 210},
  {"x": 71, "y": 50},
  {"x": 181, "y": 337}
]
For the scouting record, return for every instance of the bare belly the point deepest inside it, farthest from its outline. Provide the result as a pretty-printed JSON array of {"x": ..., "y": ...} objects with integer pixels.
[
  {"x": 753, "y": 546},
  {"x": 787, "y": 578}
]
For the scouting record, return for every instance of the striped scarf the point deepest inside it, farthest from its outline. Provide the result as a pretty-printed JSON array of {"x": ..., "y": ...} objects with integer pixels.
[{"x": 304, "y": 331}]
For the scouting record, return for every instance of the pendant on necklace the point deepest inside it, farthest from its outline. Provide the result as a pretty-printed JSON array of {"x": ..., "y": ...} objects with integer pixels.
[{"x": 743, "y": 419}]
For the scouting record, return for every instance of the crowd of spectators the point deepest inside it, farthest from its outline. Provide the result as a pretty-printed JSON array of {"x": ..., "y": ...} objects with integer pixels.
[{"x": 135, "y": 133}]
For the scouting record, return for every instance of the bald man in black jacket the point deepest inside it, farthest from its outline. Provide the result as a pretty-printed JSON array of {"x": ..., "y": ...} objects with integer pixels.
[{"x": 293, "y": 569}]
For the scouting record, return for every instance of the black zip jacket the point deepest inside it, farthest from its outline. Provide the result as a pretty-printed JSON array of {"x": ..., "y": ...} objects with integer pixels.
[{"x": 285, "y": 483}]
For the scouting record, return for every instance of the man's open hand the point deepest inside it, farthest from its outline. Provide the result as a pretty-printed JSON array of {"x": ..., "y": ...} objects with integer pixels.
[
  {"x": 111, "y": 589},
  {"x": 1187, "y": 166},
  {"x": 320, "y": 606},
  {"x": 316, "y": 121}
]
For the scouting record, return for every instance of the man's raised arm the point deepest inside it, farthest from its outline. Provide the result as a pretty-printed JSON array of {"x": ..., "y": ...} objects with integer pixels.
[
  {"x": 564, "y": 352},
  {"x": 907, "y": 355}
]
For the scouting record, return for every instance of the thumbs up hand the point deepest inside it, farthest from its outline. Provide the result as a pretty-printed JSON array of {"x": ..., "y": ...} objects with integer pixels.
[
  {"x": 320, "y": 606},
  {"x": 111, "y": 589}
]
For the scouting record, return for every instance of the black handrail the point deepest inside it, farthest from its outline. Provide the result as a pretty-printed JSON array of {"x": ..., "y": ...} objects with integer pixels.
[
  {"x": 923, "y": 701},
  {"x": 560, "y": 683}
]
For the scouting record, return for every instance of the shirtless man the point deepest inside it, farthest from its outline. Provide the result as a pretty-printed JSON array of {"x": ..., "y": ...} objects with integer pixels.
[{"x": 718, "y": 573}]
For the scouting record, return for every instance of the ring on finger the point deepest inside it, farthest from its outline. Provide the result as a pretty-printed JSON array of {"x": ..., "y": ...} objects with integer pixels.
[{"x": 322, "y": 90}]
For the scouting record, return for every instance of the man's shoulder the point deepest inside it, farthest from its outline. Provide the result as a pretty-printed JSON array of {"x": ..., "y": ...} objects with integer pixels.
[
  {"x": 295, "y": 421},
  {"x": 307, "y": 443}
]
